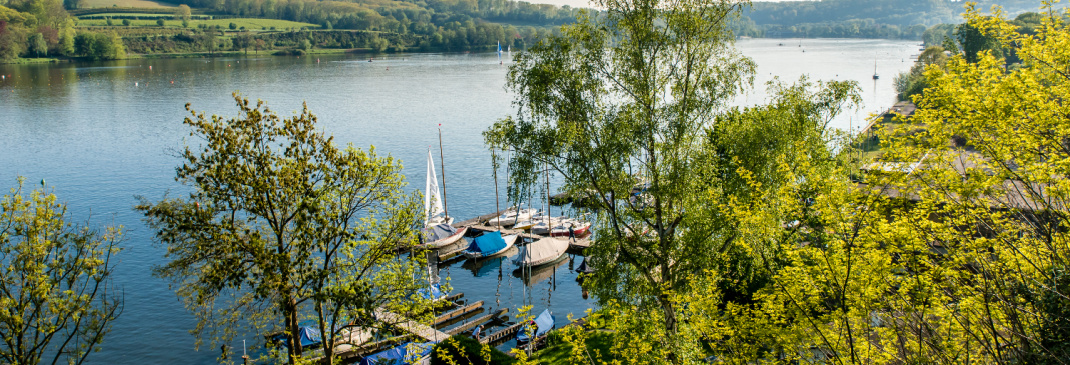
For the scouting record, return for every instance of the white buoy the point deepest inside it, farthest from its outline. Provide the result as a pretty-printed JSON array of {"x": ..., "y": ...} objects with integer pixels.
[{"x": 135, "y": 83}]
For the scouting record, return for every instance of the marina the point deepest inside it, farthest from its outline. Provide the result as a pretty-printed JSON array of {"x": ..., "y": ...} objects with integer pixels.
[{"x": 102, "y": 143}]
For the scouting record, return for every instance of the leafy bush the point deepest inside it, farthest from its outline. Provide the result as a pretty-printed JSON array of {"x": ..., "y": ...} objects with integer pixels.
[{"x": 466, "y": 350}]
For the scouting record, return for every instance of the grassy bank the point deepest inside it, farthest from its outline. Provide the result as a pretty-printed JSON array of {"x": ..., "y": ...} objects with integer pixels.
[
  {"x": 239, "y": 23},
  {"x": 20, "y": 61}
]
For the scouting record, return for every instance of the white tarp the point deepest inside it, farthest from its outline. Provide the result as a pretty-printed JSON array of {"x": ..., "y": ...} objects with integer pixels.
[{"x": 541, "y": 251}]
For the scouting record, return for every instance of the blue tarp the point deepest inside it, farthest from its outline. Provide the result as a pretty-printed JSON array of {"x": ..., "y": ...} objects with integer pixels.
[
  {"x": 432, "y": 293},
  {"x": 487, "y": 244},
  {"x": 543, "y": 323},
  {"x": 407, "y": 353},
  {"x": 437, "y": 232},
  {"x": 309, "y": 337}
]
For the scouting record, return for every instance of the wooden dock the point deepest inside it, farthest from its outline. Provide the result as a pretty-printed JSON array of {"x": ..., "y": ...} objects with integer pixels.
[
  {"x": 448, "y": 317},
  {"x": 501, "y": 335},
  {"x": 478, "y": 321},
  {"x": 421, "y": 330}
]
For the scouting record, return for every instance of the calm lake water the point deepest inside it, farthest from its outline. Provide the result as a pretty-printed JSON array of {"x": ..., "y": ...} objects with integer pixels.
[{"x": 103, "y": 133}]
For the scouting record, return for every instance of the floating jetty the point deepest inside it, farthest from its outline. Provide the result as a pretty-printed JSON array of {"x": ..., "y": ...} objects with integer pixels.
[
  {"x": 501, "y": 336},
  {"x": 458, "y": 314},
  {"x": 478, "y": 321}
]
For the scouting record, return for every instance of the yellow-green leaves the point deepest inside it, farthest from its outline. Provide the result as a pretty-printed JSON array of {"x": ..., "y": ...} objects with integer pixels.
[
  {"x": 56, "y": 298},
  {"x": 284, "y": 226}
]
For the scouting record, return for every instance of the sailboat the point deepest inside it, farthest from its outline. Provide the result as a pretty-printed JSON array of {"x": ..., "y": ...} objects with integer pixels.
[
  {"x": 438, "y": 229},
  {"x": 875, "y": 75}
]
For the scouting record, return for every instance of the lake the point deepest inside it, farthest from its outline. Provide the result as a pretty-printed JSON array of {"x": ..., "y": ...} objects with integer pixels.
[{"x": 103, "y": 133}]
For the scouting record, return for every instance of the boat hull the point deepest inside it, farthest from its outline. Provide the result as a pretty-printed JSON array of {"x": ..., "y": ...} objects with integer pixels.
[
  {"x": 446, "y": 241},
  {"x": 557, "y": 248},
  {"x": 509, "y": 243},
  {"x": 563, "y": 231}
]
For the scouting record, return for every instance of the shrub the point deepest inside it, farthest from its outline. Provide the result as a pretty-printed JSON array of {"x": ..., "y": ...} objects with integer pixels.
[{"x": 471, "y": 348}]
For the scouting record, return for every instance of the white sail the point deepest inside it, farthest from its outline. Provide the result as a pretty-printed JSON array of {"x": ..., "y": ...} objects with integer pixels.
[{"x": 432, "y": 195}]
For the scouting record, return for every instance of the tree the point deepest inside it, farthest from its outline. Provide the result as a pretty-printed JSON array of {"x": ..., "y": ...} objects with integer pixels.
[
  {"x": 624, "y": 100},
  {"x": 243, "y": 41},
  {"x": 992, "y": 188},
  {"x": 283, "y": 225},
  {"x": 183, "y": 12},
  {"x": 160, "y": 22},
  {"x": 66, "y": 38},
  {"x": 116, "y": 48},
  {"x": 55, "y": 281},
  {"x": 126, "y": 22},
  {"x": 37, "y": 44}
]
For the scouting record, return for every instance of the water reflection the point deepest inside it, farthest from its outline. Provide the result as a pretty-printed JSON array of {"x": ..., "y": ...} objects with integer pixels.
[
  {"x": 484, "y": 267},
  {"x": 536, "y": 275}
]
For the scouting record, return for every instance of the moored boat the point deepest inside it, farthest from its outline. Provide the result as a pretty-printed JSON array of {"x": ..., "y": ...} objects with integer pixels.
[
  {"x": 512, "y": 216},
  {"x": 490, "y": 244},
  {"x": 442, "y": 235},
  {"x": 541, "y": 252},
  {"x": 544, "y": 226},
  {"x": 579, "y": 228},
  {"x": 433, "y": 206},
  {"x": 537, "y": 328}
]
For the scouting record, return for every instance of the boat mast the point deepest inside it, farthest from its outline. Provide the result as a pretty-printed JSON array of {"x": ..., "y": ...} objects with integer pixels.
[
  {"x": 497, "y": 207},
  {"x": 441, "y": 160}
]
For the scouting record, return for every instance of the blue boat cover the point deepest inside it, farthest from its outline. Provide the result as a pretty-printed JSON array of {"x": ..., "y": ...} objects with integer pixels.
[
  {"x": 543, "y": 323},
  {"x": 437, "y": 232},
  {"x": 432, "y": 292},
  {"x": 407, "y": 353},
  {"x": 307, "y": 335},
  {"x": 488, "y": 243}
]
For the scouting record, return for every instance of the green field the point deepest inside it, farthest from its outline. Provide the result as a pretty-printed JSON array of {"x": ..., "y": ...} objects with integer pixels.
[
  {"x": 128, "y": 4},
  {"x": 248, "y": 23}
]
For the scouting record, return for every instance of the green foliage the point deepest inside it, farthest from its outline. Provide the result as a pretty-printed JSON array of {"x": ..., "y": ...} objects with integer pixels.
[
  {"x": 282, "y": 225},
  {"x": 908, "y": 84},
  {"x": 99, "y": 46},
  {"x": 37, "y": 44},
  {"x": 636, "y": 97},
  {"x": 994, "y": 196},
  {"x": 956, "y": 259},
  {"x": 56, "y": 293},
  {"x": 183, "y": 12},
  {"x": 464, "y": 350}
]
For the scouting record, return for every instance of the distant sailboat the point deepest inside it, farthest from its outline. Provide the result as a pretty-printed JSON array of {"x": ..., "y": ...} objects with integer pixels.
[{"x": 875, "y": 75}]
